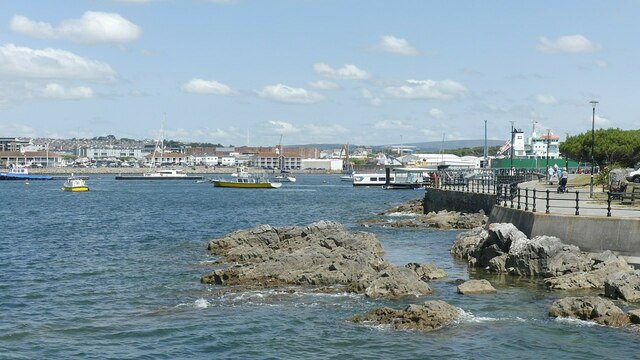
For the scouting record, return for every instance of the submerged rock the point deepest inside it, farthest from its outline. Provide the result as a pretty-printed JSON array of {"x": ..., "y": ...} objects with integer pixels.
[
  {"x": 472, "y": 287},
  {"x": 590, "y": 308},
  {"x": 321, "y": 254},
  {"x": 430, "y": 316}
]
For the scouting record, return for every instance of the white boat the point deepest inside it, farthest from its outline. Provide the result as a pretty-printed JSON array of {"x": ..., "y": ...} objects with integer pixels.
[
  {"x": 409, "y": 178},
  {"x": 285, "y": 177},
  {"x": 168, "y": 174},
  {"x": 348, "y": 176},
  {"x": 75, "y": 184},
  {"x": 245, "y": 180},
  {"x": 372, "y": 179}
]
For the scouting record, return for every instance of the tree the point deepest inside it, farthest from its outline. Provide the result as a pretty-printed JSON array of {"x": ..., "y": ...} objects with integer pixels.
[{"x": 612, "y": 147}]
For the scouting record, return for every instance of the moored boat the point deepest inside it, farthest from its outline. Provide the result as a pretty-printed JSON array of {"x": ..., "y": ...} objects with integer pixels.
[
  {"x": 245, "y": 180},
  {"x": 21, "y": 173},
  {"x": 75, "y": 184},
  {"x": 167, "y": 174},
  {"x": 285, "y": 177}
]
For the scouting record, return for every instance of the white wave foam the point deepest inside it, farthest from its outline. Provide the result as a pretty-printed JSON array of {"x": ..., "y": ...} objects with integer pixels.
[
  {"x": 201, "y": 303},
  {"x": 402, "y": 214},
  {"x": 577, "y": 322},
  {"x": 467, "y": 316}
]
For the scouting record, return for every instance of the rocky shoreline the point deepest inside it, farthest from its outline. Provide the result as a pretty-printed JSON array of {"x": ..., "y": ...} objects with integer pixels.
[{"x": 327, "y": 257}]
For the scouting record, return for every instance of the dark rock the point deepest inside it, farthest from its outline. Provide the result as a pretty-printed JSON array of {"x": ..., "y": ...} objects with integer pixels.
[
  {"x": 467, "y": 242},
  {"x": 590, "y": 308},
  {"x": 430, "y": 316}
]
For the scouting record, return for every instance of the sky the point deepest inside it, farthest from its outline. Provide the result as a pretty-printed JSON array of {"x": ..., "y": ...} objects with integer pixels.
[{"x": 366, "y": 72}]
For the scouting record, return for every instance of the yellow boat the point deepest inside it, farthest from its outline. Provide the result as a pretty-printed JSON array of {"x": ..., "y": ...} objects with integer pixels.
[
  {"x": 244, "y": 180},
  {"x": 75, "y": 184}
]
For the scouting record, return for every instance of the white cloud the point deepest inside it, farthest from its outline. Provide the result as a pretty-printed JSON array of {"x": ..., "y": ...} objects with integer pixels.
[
  {"x": 396, "y": 45},
  {"x": 599, "y": 120},
  {"x": 41, "y": 30},
  {"x": 93, "y": 27},
  {"x": 16, "y": 129},
  {"x": 546, "y": 99},
  {"x": 373, "y": 100},
  {"x": 286, "y": 94},
  {"x": 200, "y": 86},
  {"x": 282, "y": 127},
  {"x": 324, "y": 85},
  {"x": 59, "y": 92},
  {"x": 436, "y": 113},
  {"x": 390, "y": 124},
  {"x": 347, "y": 72},
  {"x": 326, "y": 131},
  {"x": 23, "y": 62},
  {"x": 428, "y": 89},
  {"x": 601, "y": 63},
  {"x": 573, "y": 44}
]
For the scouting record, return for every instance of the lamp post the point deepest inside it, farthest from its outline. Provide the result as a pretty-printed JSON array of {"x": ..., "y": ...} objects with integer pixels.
[
  {"x": 511, "y": 150},
  {"x": 548, "y": 143},
  {"x": 593, "y": 142}
]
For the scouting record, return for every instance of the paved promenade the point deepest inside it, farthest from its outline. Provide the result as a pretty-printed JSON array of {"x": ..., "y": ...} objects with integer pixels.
[{"x": 566, "y": 203}]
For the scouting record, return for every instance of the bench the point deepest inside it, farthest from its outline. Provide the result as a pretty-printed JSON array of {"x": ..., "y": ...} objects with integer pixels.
[{"x": 630, "y": 197}]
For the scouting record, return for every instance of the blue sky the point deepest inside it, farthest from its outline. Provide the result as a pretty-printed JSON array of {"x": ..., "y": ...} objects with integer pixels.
[{"x": 352, "y": 71}]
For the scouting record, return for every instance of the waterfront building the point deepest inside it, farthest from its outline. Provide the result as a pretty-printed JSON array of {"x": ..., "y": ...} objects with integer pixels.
[
  {"x": 30, "y": 158},
  {"x": 170, "y": 158},
  {"x": 277, "y": 161},
  {"x": 109, "y": 152},
  {"x": 13, "y": 144}
]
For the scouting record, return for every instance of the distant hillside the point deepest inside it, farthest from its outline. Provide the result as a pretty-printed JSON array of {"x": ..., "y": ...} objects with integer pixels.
[{"x": 430, "y": 146}]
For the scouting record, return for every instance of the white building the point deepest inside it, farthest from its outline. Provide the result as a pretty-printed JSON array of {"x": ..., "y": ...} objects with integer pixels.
[
  {"x": 227, "y": 161},
  {"x": 323, "y": 164},
  {"x": 102, "y": 153}
]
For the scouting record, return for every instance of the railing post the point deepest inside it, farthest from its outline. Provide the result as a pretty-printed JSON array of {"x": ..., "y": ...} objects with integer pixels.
[
  {"x": 577, "y": 202},
  {"x": 609, "y": 203},
  {"x": 511, "y": 194},
  {"x": 504, "y": 188},
  {"x": 526, "y": 199},
  {"x": 547, "y": 211},
  {"x": 497, "y": 199},
  {"x": 534, "y": 201},
  {"x": 518, "y": 198}
]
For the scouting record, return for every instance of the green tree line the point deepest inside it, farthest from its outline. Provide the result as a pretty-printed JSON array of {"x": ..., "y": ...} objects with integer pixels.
[{"x": 612, "y": 147}]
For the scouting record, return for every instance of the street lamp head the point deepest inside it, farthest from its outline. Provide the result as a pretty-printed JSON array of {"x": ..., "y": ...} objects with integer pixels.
[{"x": 593, "y": 103}]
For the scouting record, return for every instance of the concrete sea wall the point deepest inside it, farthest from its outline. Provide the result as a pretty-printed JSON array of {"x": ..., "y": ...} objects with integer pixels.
[
  {"x": 591, "y": 233},
  {"x": 438, "y": 200}
]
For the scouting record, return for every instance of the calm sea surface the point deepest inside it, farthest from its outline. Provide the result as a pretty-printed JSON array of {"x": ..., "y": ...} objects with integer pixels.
[{"x": 114, "y": 273}]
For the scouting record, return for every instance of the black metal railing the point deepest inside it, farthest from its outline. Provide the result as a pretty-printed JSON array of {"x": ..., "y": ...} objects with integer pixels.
[{"x": 528, "y": 200}]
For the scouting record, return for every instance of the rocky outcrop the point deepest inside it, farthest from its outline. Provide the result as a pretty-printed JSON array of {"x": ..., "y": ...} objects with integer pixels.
[
  {"x": 466, "y": 242},
  {"x": 504, "y": 249},
  {"x": 321, "y": 254},
  {"x": 602, "y": 265},
  {"x": 430, "y": 316},
  {"x": 590, "y": 308},
  {"x": 623, "y": 285},
  {"x": 634, "y": 316},
  {"x": 444, "y": 220},
  {"x": 411, "y": 207},
  {"x": 427, "y": 272},
  {"x": 475, "y": 287}
]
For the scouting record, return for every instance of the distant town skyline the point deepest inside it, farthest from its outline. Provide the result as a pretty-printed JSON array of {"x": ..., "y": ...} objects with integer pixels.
[{"x": 248, "y": 72}]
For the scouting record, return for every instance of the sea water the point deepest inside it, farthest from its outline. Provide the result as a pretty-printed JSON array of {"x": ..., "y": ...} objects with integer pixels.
[{"x": 114, "y": 273}]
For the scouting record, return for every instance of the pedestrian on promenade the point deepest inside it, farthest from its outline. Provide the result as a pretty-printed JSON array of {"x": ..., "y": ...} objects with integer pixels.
[{"x": 550, "y": 173}]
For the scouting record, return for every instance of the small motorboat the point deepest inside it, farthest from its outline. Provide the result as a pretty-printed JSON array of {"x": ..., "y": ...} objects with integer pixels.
[{"x": 75, "y": 184}]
